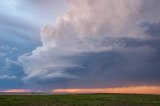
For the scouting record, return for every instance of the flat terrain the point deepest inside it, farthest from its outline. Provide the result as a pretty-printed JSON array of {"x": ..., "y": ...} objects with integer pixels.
[{"x": 80, "y": 100}]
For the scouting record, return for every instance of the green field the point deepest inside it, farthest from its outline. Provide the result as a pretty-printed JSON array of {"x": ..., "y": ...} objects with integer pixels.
[{"x": 80, "y": 100}]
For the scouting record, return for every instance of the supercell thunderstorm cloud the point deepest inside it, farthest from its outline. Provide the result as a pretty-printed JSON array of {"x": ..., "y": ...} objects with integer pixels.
[{"x": 97, "y": 44}]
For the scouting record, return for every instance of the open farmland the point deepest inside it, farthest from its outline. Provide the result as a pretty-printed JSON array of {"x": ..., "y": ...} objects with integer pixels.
[{"x": 80, "y": 100}]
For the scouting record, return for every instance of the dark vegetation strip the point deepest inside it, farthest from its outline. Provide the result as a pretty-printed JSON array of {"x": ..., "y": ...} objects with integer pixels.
[{"x": 80, "y": 100}]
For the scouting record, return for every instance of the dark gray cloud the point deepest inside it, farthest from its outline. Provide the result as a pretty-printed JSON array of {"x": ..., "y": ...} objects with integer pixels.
[
  {"x": 137, "y": 63},
  {"x": 152, "y": 28}
]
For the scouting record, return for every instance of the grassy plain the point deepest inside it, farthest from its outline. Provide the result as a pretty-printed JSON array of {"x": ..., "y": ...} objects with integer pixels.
[{"x": 80, "y": 100}]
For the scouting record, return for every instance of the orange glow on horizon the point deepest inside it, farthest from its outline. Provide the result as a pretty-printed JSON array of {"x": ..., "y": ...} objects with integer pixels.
[
  {"x": 16, "y": 90},
  {"x": 137, "y": 90}
]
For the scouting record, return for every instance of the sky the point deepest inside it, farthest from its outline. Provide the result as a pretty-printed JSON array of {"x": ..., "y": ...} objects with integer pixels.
[{"x": 91, "y": 46}]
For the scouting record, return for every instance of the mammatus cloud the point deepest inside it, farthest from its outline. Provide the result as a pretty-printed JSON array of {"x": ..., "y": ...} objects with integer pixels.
[{"x": 98, "y": 44}]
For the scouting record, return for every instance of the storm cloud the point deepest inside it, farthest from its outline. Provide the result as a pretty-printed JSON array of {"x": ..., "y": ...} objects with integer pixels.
[{"x": 101, "y": 43}]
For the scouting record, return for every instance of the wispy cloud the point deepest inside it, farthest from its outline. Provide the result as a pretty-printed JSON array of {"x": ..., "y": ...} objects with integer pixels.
[{"x": 7, "y": 77}]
